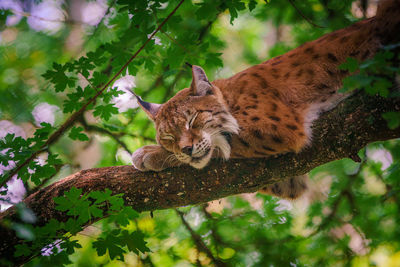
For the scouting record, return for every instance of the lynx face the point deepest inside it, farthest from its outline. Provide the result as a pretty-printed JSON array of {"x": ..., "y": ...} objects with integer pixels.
[{"x": 195, "y": 124}]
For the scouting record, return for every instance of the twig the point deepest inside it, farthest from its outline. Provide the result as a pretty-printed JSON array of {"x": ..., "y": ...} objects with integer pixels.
[
  {"x": 364, "y": 7},
  {"x": 217, "y": 238},
  {"x": 176, "y": 42},
  {"x": 145, "y": 138},
  {"x": 303, "y": 16},
  {"x": 388, "y": 188},
  {"x": 95, "y": 128},
  {"x": 198, "y": 241},
  {"x": 344, "y": 193},
  {"x": 57, "y": 134}
]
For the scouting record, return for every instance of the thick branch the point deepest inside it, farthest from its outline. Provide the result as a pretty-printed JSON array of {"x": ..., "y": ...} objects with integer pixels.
[{"x": 339, "y": 133}]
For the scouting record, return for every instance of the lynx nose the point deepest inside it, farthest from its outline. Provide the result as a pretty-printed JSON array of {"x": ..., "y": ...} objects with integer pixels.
[{"x": 187, "y": 150}]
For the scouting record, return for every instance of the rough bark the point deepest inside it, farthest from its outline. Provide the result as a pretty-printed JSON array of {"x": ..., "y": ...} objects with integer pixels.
[{"x": 337, "y": 134}]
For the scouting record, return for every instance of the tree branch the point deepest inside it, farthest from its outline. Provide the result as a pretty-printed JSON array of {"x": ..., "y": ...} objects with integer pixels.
[
  {"x": 337, "y": 134},
  {"x": 200, "y": 245}
]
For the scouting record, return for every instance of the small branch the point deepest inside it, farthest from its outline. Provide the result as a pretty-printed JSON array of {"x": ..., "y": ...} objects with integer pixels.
[
  {"x": 364, "y": 7},
  {"x": 217, "y": 238},
  {"x": 95, "y": 128},
  {"x": 346, "y": 192},
  {"x": 89, "y": 82},
  {"x": 304, "y": 16},
  {"x": 199, "y": 242}
]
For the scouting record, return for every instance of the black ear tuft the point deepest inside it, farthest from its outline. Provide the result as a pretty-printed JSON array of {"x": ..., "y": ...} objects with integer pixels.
[{"x": 151, "y": 109}]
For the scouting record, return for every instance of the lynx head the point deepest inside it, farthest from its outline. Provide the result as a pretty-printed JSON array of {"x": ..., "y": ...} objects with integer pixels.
[{"x": 195, "y": 124}]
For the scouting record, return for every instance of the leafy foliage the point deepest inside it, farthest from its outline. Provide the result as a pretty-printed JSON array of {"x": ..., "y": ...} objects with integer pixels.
[
  {"x": 357, "y": 222},
  {"x": 80, "y": 209},
  {"x": 373, "y": 75}
]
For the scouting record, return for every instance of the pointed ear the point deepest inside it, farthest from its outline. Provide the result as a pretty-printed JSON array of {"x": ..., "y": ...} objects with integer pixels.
[
  {"x": 151, "y": 109},
  {"x": 200, "y": 85}
]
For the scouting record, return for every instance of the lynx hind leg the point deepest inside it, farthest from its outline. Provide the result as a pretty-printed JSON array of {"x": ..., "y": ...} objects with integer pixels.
[
  {"x": 291, "y": 188},
  {"x": 153, "y": 158}
]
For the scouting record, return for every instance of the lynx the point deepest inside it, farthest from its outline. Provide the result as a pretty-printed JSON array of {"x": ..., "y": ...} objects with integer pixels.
[{"x": 265, "y": 110}]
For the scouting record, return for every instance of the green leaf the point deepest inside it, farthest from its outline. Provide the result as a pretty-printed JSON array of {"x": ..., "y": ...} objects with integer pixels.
[
  {"x": 135, "y": 241},
  {"x": 116, "y": 203},
  {"x": 76, "y": 134},
  {"x": 380, "y": 86},
  {"x": 41, "y": 172},
  {"x": 70, "y": 197},
  {"x": 53, "y": 159},
  {"x": 72, "y": 226},
  {"x": 392, "y": 118},
  {"x": 214, "y": 60},
  {"x": 124, "y": 217},
  {"x": 351, "y": 65},
  {"x": 98, "y": 79},
  {"x": 111, "y": 93},
  {"x": 4, "y": 13},
  {"x": 111, "y": 244},
  {"x": 234, "y": 6},
  {"x": 252, "y": 4},
  {"x": 43, "y": 132},
  {"x": 59, "y": 78},
  {"x": 95, "y": 211},
  {"x": 50, "y": 229},
  {"x": 70, "y": 246},
  {"x": 22, "y": 250},
  {"x": 74, "y": 204},
  {"x": 105, "y": 111},
  {"x": 208, "y": 10},
  {"x": 73, "y": 102},
  {"x": 354, "y": 82},
  {"x": 100, "y": 196},
  {"x": 175, "y": 57}
]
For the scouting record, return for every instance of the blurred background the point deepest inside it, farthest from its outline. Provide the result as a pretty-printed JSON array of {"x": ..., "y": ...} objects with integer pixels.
[{"x": 54, "y": 54}]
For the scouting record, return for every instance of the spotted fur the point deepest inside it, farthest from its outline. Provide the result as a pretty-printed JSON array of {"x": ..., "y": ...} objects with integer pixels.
[{"x": 267, "y": 109}]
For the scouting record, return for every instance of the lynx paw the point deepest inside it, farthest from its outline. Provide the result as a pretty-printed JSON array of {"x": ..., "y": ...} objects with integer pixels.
[{"x": 153, "y": 158}]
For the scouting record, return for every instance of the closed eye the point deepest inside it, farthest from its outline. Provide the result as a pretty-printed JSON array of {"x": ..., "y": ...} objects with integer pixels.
[
  {"x": 207, "y": 122},
  {"x": 168, "y": 137}
]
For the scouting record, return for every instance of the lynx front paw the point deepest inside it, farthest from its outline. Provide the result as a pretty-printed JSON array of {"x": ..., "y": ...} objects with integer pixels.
[{"x": 153, "y": 158}]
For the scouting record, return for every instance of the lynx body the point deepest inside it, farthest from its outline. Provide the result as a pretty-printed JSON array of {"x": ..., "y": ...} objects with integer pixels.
[{"x": 265, "y": 110}]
